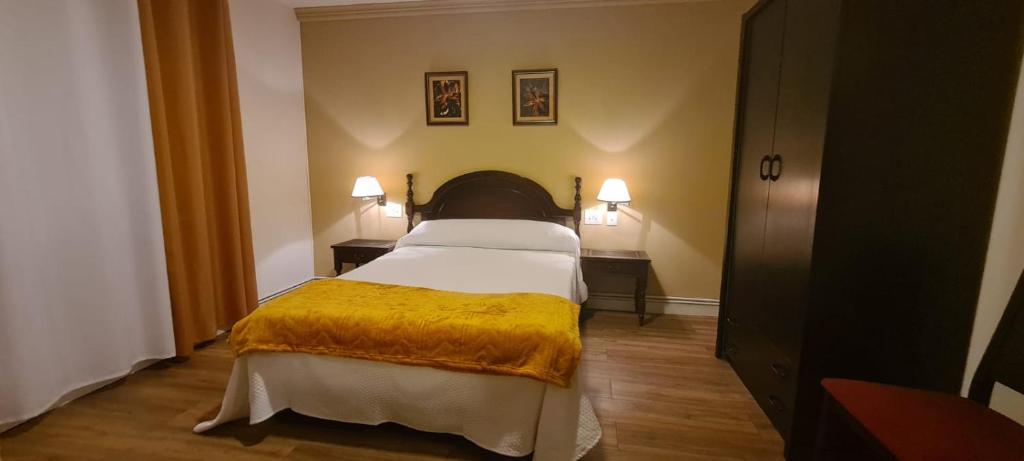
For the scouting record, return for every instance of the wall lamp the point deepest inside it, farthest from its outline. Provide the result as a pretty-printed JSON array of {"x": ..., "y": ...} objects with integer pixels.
[
  {"x": 367, "y": 188},
  {"x": 614, "y": 192}
]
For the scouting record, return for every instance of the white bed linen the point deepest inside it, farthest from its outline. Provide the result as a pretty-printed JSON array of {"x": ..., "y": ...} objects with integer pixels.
[
  {"x": 506, "y": 414},
  {"x": 530, "y": 238},
  {"x": 477, "y": 270}
]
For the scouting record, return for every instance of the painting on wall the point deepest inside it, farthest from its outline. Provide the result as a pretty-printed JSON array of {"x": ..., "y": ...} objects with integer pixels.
[
  {"x": 447, "y": 98},
  {"x": 535, "y": 97}
]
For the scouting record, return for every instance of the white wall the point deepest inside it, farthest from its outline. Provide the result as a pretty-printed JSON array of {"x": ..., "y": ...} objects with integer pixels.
[
  {"x": 83, "y": 279},
  {"x": 1005, "y": 259},
  {"x": 269, "y": 61}
]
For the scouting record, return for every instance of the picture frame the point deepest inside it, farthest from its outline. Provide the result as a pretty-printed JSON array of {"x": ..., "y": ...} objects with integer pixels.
[
  {"x": 535, "y": 97},
  {"x": 447, "y": 97}
]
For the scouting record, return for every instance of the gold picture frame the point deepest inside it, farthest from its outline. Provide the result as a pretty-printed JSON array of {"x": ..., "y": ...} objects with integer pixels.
[
  {"x": 535, "y": 97},
  {"x": 447, "y": 97}
]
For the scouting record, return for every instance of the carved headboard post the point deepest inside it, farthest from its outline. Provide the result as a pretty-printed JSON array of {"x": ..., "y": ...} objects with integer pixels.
[
  {"x": 409, "y": 205},
  {"x": 577, "y": 209}
]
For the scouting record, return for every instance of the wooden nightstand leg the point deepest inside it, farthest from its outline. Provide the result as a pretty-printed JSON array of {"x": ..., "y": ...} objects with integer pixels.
[{"x": 640, "y": 298}]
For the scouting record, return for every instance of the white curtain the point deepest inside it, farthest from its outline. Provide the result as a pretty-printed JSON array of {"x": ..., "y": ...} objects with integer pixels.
[{"x": 83, "y": 283}]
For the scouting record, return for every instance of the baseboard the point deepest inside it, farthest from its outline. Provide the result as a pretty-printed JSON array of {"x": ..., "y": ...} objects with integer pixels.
[
  {"x": 672, "y": 305},
  {"x": 279, "y": 293}
]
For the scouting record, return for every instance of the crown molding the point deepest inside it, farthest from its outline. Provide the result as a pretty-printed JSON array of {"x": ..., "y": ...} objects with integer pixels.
[{"x": 432, "y": 7}]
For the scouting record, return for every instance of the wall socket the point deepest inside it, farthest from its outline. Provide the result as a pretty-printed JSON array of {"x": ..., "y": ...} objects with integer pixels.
[
  {"x": 393, "y": 210},
  {"x": 592, "y": 216},
  {"x": 612, "y": 218}
]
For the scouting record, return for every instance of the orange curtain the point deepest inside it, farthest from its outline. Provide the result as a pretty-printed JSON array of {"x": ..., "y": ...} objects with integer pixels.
[{"x": 204, "y": 201}]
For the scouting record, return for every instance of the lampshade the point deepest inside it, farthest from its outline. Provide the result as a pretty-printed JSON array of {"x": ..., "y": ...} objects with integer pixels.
[
  {"x": 614, "y": 191},
  {"x": 367, "y": 186}
]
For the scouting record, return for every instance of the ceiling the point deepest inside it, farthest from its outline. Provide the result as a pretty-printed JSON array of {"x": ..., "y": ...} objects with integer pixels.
[{"x": 309, "y": 3}]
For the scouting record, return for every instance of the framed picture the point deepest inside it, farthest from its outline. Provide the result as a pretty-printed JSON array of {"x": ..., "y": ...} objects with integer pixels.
[
  {"x": 447, "y": 98},
  {"x": 535, "y": 97}
]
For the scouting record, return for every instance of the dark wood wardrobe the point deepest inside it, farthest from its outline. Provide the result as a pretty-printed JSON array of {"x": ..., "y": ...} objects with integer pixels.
[{"x": 868, "y": 146}]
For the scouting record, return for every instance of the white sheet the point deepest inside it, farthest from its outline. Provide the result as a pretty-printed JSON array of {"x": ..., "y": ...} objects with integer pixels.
[
  {"x": 506, "y": 414},
  {"x": 530, "y": 237},
  {"x": 477, "y": 270}
]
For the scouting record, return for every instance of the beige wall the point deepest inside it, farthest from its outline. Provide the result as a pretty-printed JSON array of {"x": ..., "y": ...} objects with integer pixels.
[
  {"x": 646, "y": 94},
  {"x": 1005, "y": 259},
  {"x": 269, "y": 67}
]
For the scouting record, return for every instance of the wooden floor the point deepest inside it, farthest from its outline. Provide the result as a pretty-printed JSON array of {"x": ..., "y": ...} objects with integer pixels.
[{"x": 658, "y": 390}]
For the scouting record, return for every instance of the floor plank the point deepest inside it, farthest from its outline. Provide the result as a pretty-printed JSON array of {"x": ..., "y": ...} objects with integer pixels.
[{"x": 658, "y": 391}]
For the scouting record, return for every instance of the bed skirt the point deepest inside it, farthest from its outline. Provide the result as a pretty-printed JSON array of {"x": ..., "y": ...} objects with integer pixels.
[{"x": 510, "y": 415}]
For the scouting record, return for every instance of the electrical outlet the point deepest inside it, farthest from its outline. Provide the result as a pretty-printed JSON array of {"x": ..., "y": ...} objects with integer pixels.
[
  {"x": 612, "y": 218},
  {"x": 592, "y": 216},
  {"x": 393, "y": 210}
]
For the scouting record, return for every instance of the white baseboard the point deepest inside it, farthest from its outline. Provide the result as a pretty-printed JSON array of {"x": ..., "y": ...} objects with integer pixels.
[
  {"x": 672, "y": 305},
  {"x": 279, "y": 293}
]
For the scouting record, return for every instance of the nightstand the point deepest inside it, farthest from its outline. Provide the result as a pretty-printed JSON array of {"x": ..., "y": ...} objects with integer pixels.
[
  {"x": 621, "y": 263},
  {"x": 360, "y": 251}
]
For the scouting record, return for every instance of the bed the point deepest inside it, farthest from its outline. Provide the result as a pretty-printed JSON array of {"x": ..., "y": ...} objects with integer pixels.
[{"x": 483, "y": 232}]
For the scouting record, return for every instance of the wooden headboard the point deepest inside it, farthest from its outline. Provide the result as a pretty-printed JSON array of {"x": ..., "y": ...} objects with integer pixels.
[{"x": 493, "y": 195}]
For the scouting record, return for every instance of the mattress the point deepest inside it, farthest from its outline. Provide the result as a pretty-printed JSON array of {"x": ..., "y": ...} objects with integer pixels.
[{"x": 510, "y": 415}]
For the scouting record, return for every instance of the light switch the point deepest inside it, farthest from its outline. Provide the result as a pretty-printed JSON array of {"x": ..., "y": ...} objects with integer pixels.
[
  {"x": 393, "y": 210},
  {"x": 592, "y": 216},
  {"x": 612, "y": 218}
]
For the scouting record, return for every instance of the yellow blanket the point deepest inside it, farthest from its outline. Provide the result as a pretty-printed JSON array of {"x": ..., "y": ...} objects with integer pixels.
[{"x": 522, "y": 334}]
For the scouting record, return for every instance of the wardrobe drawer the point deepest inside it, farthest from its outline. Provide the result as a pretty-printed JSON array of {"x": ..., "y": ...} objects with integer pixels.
[
  {"x": 780, "y": 368},
  {"x": 745, "y": 352},
  {"x": 768, "y": 375},
  {"x": 780, "y": 387},
  {"x": 738, "y": 344}
]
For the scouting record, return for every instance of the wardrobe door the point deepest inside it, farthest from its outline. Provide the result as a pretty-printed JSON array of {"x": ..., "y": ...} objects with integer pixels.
[
  {"x": 803, "y": 105},
  {"x": 804, "y": 86},
  {"x": 755, "y": 124}
]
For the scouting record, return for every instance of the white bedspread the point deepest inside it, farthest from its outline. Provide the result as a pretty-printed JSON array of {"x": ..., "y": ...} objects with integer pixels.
[{"x": 506, "y": 414}]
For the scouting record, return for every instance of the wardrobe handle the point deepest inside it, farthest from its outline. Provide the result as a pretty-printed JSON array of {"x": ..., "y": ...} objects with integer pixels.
[
  {"x": 765, "y": 163},
  {"x": 730, "y": 321},
  {"x": 779, "y": 370},
  {"x": 776, "y": 403},
  {"x": 772, "y": 174}
]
